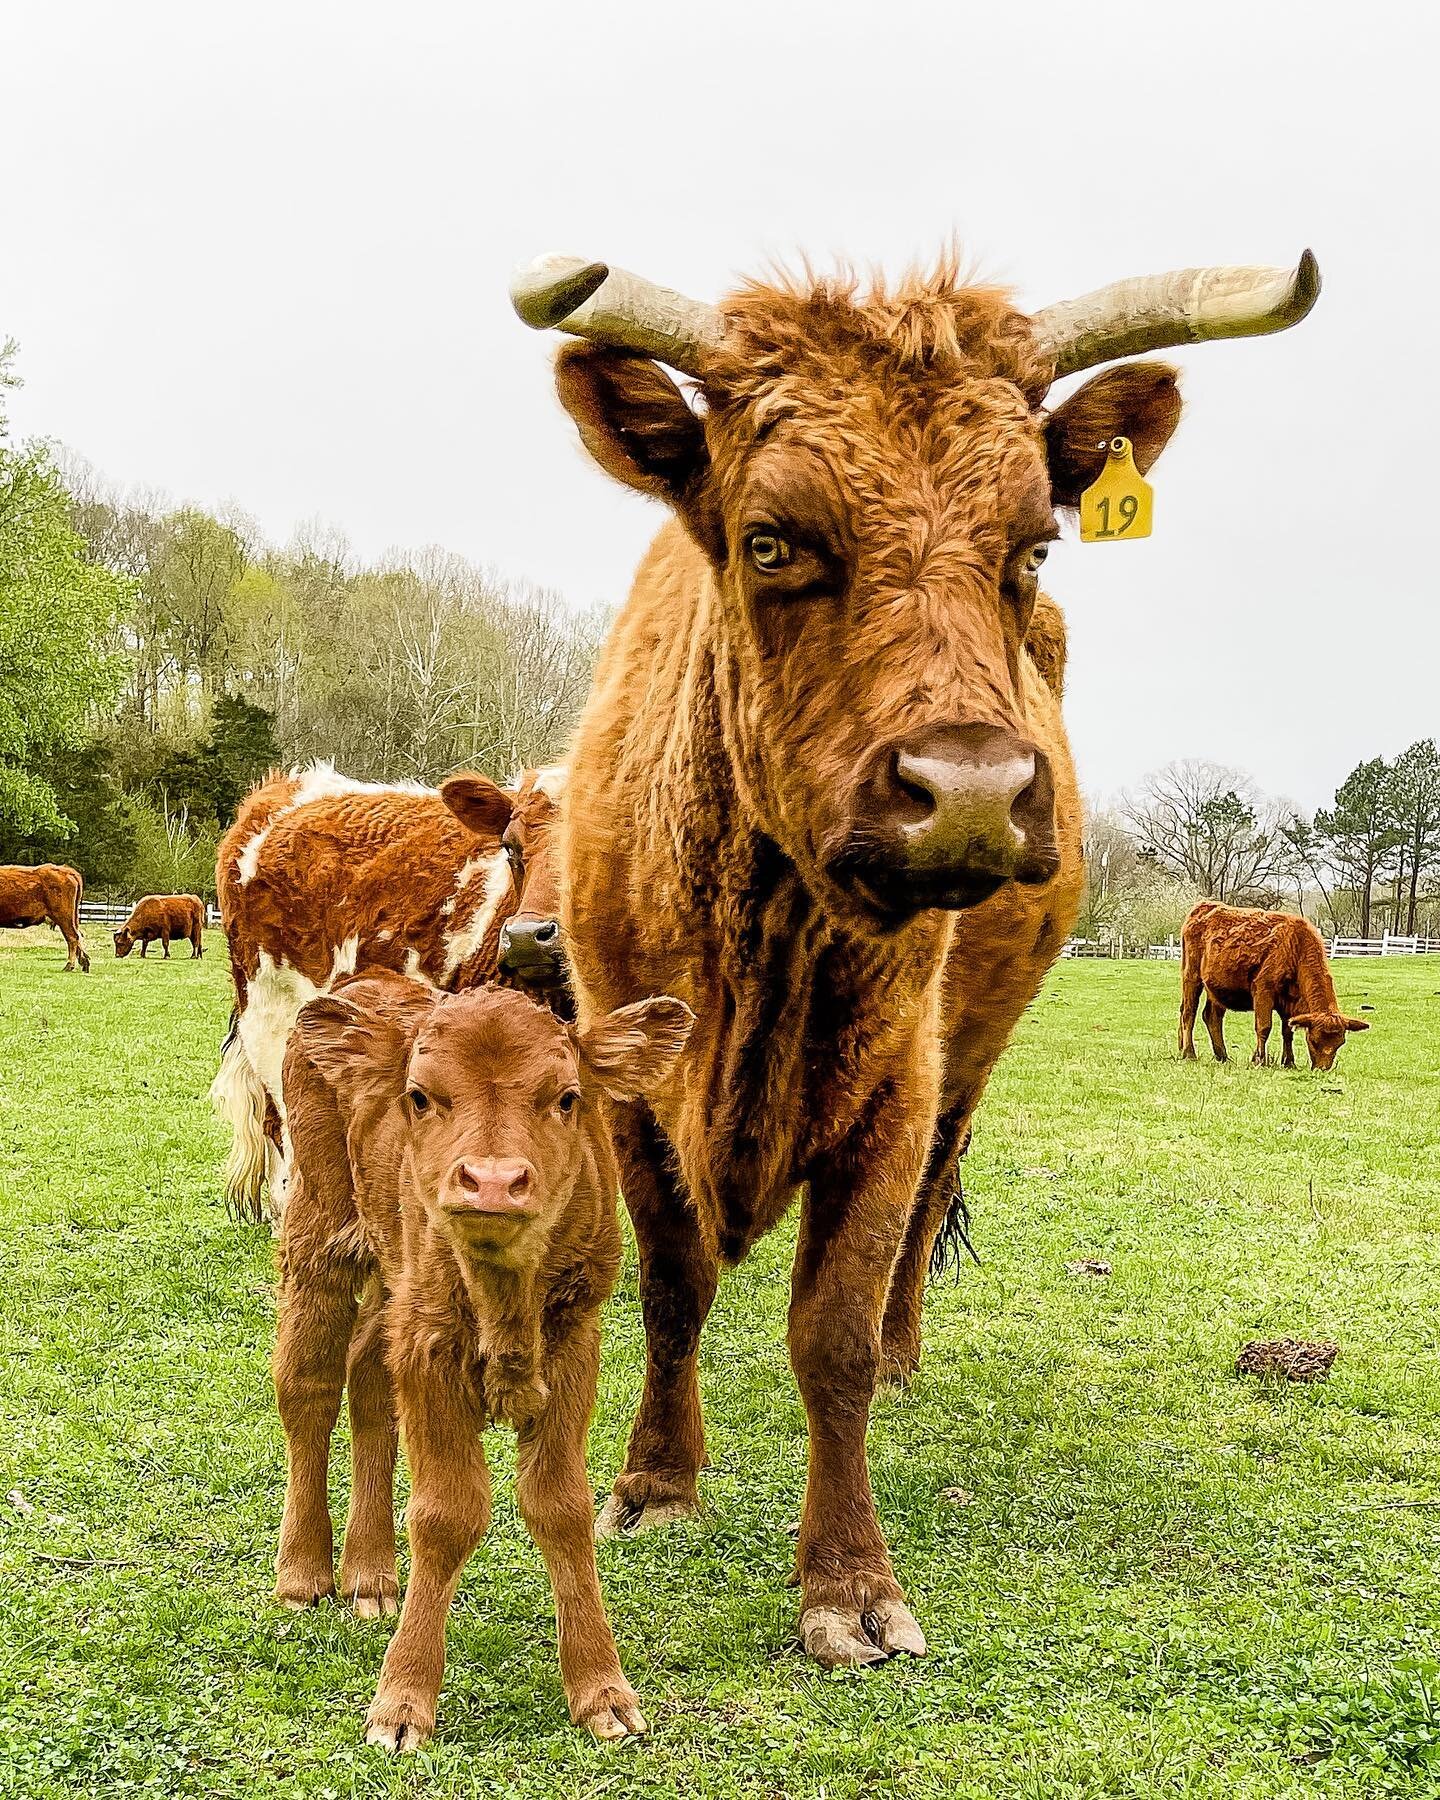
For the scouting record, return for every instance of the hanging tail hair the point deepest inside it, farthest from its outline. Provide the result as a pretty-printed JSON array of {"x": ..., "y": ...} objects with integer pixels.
[{"x": 239, "y": 1097}]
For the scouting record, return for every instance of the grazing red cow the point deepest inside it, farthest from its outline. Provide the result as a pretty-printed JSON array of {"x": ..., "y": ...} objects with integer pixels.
[
  {"x": 820, "y": 730},
  {"x": 320, "y": 875},
  {"x": 1271, "y": 962},
  {"x": 164, "y": 916},
  {"x": 49, "y": 894},
  {"x": 451, "y": 1165}
]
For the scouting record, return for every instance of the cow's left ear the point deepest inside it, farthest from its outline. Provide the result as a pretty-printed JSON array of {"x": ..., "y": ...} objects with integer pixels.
[
  {"x": 630, "y": 1052},
  {"x": 345, "y": 1043},
  {"x": 1140, "y": 401},
  {"x": 1355, "y": 1024},
  {"x": 478, "y": 803}
]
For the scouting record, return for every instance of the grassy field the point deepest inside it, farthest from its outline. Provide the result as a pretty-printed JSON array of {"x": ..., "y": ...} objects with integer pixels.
[{"x": 1140, "y": 1574}]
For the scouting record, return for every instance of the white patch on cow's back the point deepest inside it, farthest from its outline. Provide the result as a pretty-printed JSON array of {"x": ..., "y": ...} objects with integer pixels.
[
  {"x": 465, "y": 940},
  {"x": 323, "y": 781},
  {"x": 550, "y": 781},
  {"x": 248, "y": 860}
]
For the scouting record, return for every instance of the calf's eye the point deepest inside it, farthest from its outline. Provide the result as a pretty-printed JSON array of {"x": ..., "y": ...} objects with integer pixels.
[
  {"x": 419, "y": 1100},
  {"x": 769, "y": 551},
  {"x": 567, "y": 1102}
]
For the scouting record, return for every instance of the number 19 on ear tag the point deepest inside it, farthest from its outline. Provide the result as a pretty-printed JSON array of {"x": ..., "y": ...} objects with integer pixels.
[{"x": 1118, "y": 503}]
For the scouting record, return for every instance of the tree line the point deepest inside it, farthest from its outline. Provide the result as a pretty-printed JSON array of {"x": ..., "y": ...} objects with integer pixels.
[
  {"x": 1366, "y": 864},
  {"x": 156, "y": 660}
]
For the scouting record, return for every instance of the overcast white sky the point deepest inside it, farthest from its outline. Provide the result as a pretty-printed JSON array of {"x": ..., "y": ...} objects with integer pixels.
[{"x": 258, "y": 253}]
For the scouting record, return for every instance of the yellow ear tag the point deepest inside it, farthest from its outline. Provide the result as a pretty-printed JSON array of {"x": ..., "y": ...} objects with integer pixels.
[{"x": 1119, "y": 502}]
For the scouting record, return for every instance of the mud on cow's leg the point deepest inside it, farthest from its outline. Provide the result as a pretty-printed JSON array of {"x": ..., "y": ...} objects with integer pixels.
[
  {"x": 677, "y": 1287},
  {"x": 852, "y": 1609},
  {"x": 939, "y": 1190}
]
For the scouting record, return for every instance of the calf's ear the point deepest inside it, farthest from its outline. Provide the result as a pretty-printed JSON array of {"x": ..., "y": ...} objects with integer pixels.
[
  {"x": 346, "y": 1044},
  {"x": 1140, "y": 401},
  {"x": 1354, "y": 1024},
  {"x": 1300, "y": 1021},
  {"x": 630, "y": 1052},
  {"x": 641, "y": 429},
  {"x": 478, "y": 803}
]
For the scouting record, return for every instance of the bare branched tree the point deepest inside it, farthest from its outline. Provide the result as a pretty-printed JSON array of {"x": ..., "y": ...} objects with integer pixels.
[{"x": 1210, "y": 826}]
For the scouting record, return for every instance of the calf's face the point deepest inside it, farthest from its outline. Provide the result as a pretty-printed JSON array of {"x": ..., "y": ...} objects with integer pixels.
[
  {"x": 1325, "y": 1033},
  {"x": 495, "y": 1094},
  {"x": 124, "y": 943},
  {"x": 875, "y": 491}
]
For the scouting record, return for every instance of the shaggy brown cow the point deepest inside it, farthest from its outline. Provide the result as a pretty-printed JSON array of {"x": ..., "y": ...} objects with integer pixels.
[
  {"x": 819, "y": 731},
  {"x": 163, "y": 916},
  {"x": 320, "y": 875},
  {"x": 49, "y": 894},
  {"x": 451, "y": 1164},
  {"x": 1272, "y": 962}
]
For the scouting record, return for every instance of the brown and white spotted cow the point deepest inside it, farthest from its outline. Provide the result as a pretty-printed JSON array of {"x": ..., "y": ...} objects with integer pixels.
[{"x": 320, "y": 876}]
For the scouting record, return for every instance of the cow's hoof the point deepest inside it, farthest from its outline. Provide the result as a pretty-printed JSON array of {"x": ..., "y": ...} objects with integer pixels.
[
  {"x": 398, "y": 1726},
  {"x": 300, "y": 1592},
  {"x": 616, "y": 1715},
  {"x": 628, "y": 1518},
  {"x": 846, "y": 1638},
  {"x": 372, "y": 1596}
]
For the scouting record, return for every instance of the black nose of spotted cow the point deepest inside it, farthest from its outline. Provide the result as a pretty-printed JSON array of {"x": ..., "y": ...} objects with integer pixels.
[
  {"x": 947, "y": 815},
  {"x": 532, "y": 951}
]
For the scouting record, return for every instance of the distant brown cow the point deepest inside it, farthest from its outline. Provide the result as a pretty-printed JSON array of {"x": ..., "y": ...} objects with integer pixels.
[
  {"x": 321, "y": 875},
  {"x": 49, "y": 894},
  {"x": 1271, "y": 962},
  {"x": 164, "y": 916},
  {"x": 823, "y": 726},
  {"x": 451, "y": 1166}
]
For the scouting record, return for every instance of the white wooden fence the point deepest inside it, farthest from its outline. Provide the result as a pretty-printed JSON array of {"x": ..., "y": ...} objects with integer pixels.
[
  {"x": 1389, "y": 945},
  {"x": 113, "y": 913}
]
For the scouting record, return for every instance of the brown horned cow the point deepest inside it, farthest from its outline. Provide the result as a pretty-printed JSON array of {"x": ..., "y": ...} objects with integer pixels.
[
  {"x": 1271, "y": 962},
  {"x": 827, "y": 798},
  {"x": 49, "y": 894},
  {"x": 451, "y": 1165},
  {"x": 321, "y": 875},
  {"x": 164, "y": 916}
]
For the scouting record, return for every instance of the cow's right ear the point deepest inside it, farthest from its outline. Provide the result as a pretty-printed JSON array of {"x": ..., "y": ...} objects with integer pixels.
[
  {"x": 638, "y": 426},
  {"x": 345, "y": 1043},
  {"x": 630, "y": 1052},
  {"x": 478, "y": 803}
]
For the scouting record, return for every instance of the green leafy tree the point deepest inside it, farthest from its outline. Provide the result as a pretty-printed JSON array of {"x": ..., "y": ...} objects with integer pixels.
[
  {"x": 1360, "y": 832},
  {"x": 58, "y": 611}
]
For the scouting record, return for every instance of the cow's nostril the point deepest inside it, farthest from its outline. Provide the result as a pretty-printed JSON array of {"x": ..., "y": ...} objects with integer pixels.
[{"x": 546, "y": 933}]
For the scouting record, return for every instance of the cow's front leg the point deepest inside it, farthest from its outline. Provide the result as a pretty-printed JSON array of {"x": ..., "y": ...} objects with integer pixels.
[
  {"x": 859, "y": 1200},
  {"x": 1287, "y": 1045},
  {"x": 677, "y": 1286},
  {"x": 165, "y": 944},
  {"x": 1264, "y": 1013}
]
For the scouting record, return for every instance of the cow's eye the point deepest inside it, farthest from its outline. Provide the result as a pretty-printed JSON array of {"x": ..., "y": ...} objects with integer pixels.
[
  {"x": 768, "y": 551},
  {"x": 1035, "y": 556},
  {"x": 419, "y": 1100},
  {"x": 567, "y": 1102}
]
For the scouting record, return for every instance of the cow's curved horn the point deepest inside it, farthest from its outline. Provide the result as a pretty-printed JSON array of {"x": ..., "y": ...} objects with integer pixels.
[
  {"x": 609, "y": 306},
  {"x": 1187, "y": 306}
]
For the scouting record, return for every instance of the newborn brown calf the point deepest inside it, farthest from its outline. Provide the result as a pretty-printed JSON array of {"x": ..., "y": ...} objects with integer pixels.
[{"x": 452, "y": 1169}]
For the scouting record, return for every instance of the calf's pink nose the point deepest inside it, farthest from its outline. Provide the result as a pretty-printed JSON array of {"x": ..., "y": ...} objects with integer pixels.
[{"x": 496, "y": 1184}]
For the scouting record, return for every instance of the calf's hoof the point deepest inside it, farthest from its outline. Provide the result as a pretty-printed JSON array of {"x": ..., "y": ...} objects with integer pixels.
[
  {"x": 372, "y": 1596},
  {"x": 843, "y": 1637},
  {"x": 613, "y": 1714},
  {"x": 620, "y": 1517},
  {"x": 299, "y": 1591},
  {"x": 398, "y": 1725}
]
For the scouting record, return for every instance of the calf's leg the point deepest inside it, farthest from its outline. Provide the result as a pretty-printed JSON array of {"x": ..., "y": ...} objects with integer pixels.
[
  {"x": 368, "y": 1578},
  {"x": 1264, "y": 1014},
  {"x": 165, "y": 943},
  {"x": 677, "y": 1287},
  {"x": 1287, "y": 1045},
  {"x": 852, "y": 1609},
  {"x": 1215, "y": 1025},
  {"x": 316, "y": 1319},
  {"x": 900, "y": 1333},
  {"x": 448, "y": 1515},
  {"x": 554, "y": 1495}
]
